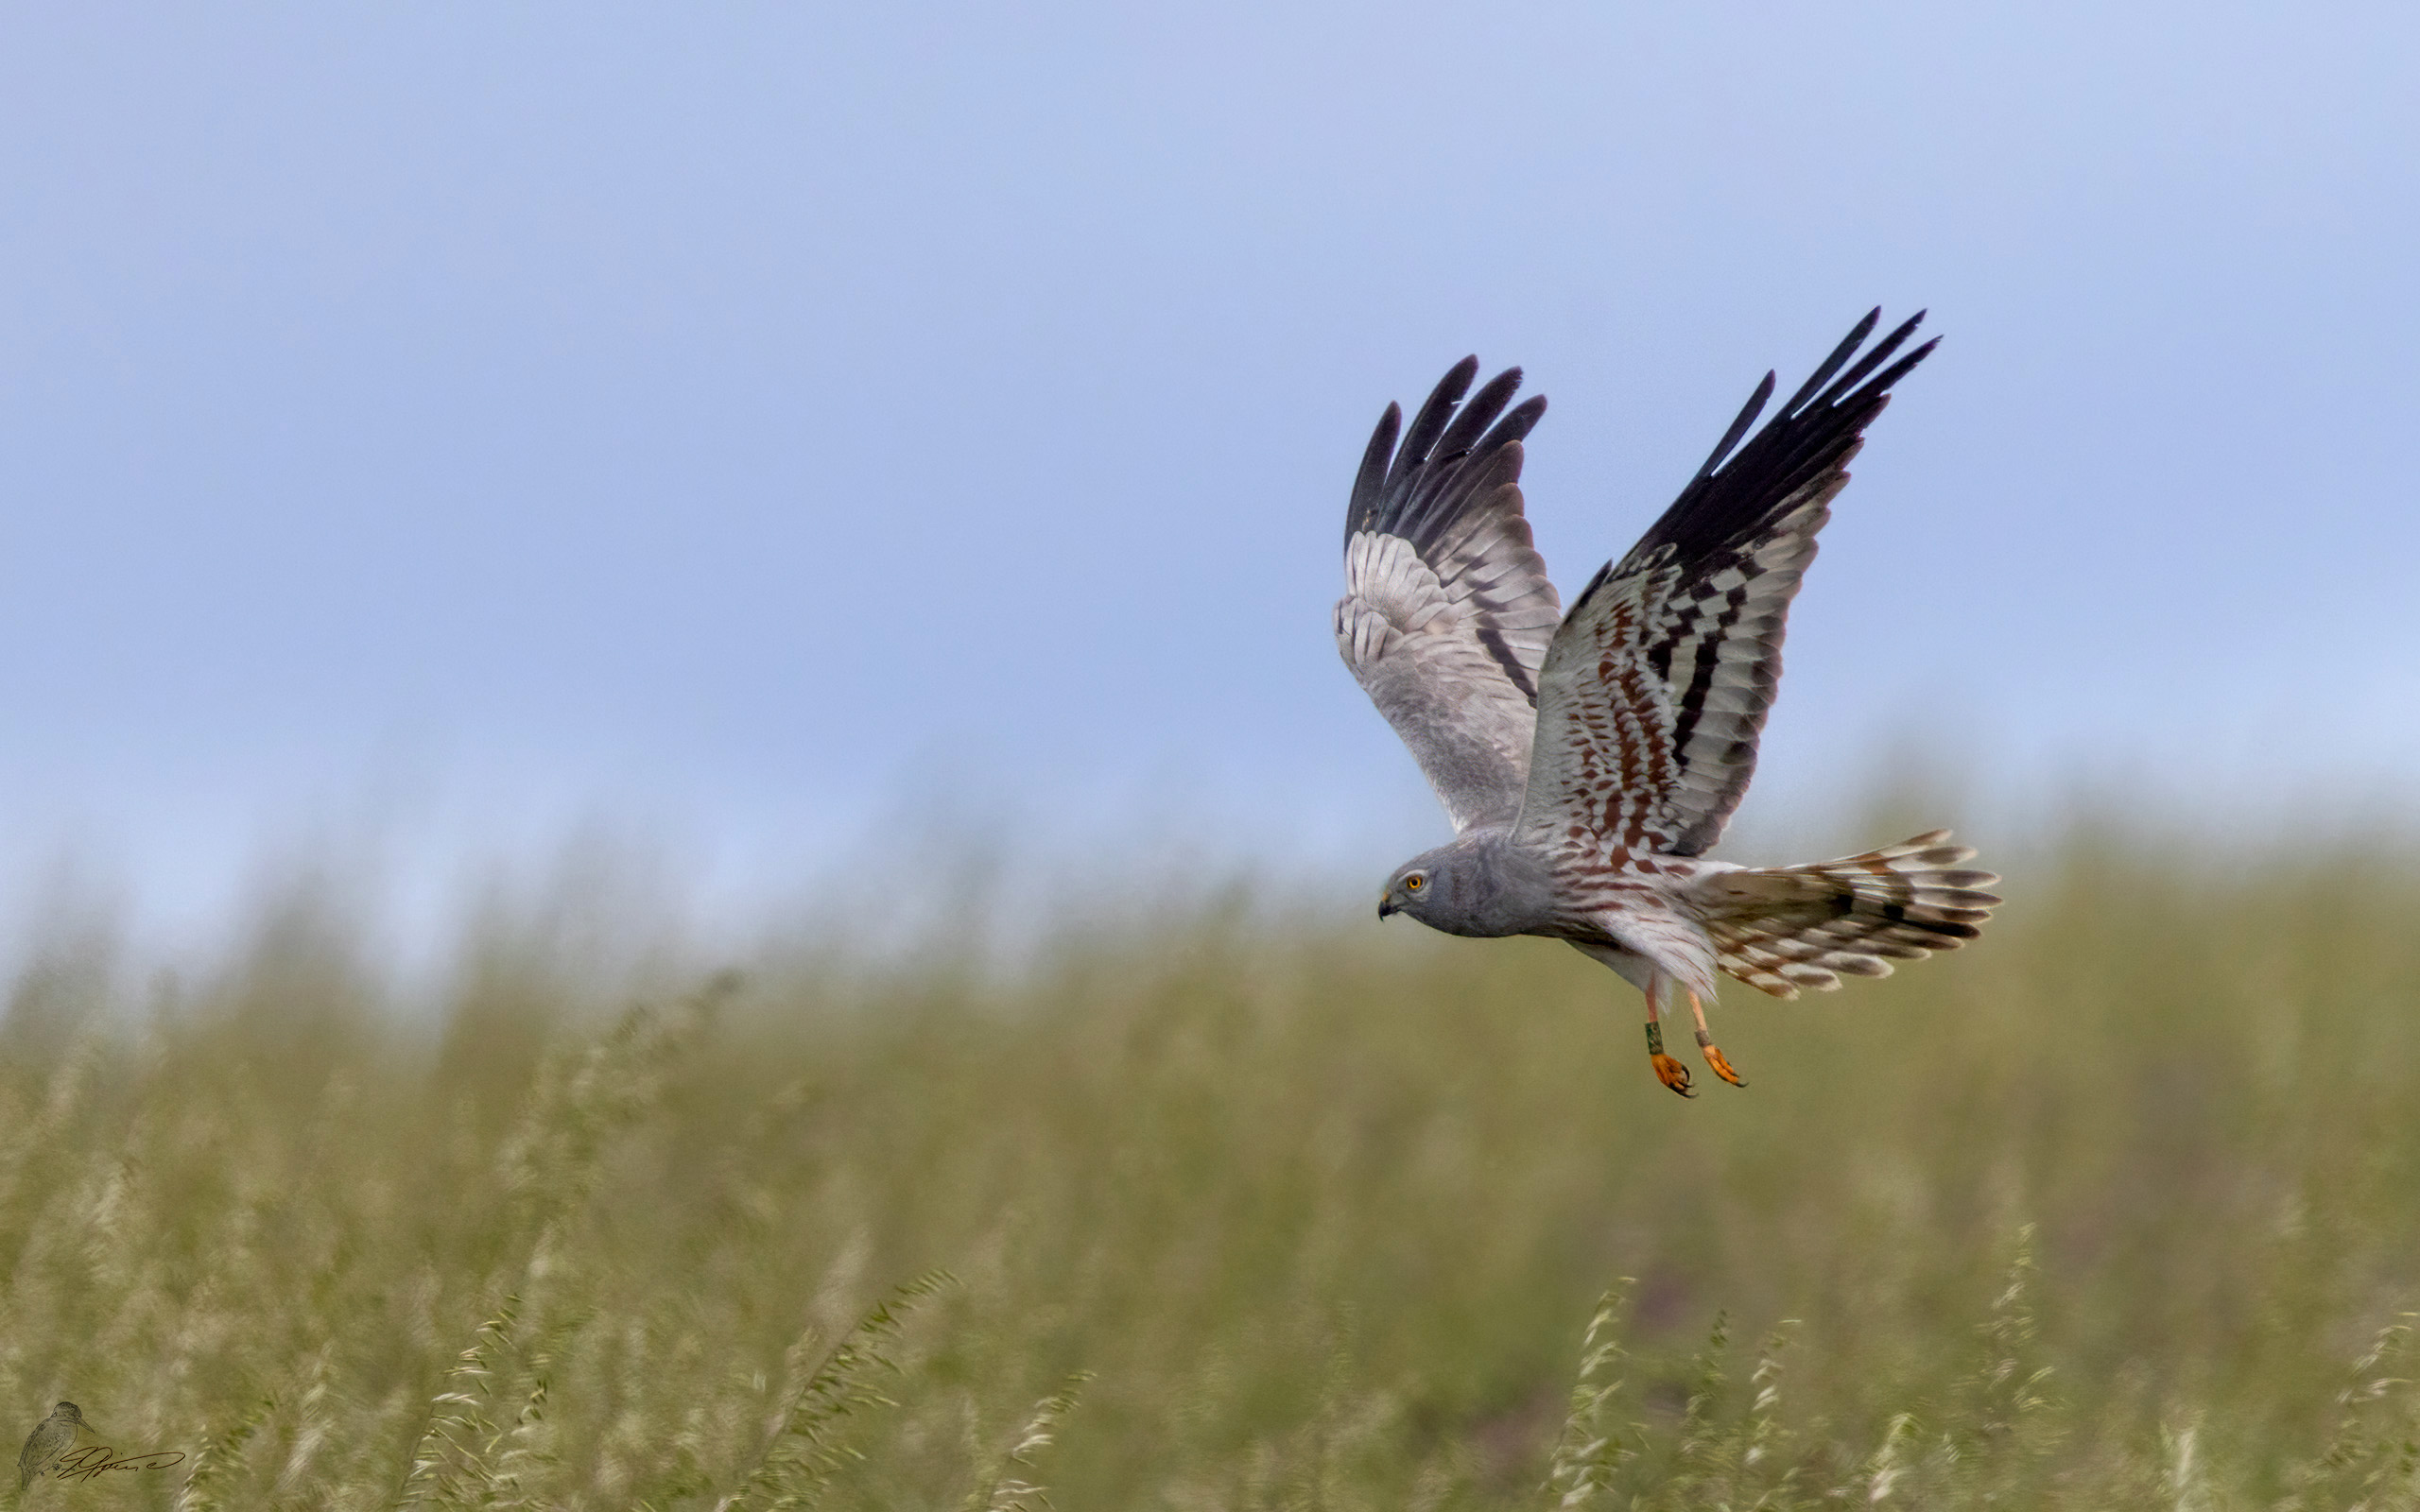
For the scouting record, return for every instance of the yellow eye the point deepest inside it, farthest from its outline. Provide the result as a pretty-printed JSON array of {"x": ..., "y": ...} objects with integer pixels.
[{"x": 1413, "y": 883}]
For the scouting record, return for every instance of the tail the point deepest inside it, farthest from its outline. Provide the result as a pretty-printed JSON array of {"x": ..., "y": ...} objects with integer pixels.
[{"x": 1782, "y": 928}]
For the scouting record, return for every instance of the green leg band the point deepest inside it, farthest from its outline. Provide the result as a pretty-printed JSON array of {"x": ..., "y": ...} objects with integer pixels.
[{"x": 1654, "y": 1038}]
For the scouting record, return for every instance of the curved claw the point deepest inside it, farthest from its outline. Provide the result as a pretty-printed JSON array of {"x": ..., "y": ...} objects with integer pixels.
[
  {"x": 1668, "y": 1071},
  {"x": 1714, "y": 1059},
  {"x": 1672, "y": 1073}
]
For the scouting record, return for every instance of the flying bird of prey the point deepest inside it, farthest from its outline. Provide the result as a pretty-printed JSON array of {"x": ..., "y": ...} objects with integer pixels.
[{"x": 1590, "y": 759}]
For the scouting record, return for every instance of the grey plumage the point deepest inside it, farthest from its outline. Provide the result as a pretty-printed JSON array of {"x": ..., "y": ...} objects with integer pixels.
[
  {"x": 50, "y": 1438},
  {"x": 1589, "y": 760},
  {"x": 1447, "y": 610}
]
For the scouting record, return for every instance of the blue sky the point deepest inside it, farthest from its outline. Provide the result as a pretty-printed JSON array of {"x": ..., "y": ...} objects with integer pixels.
[{"x": 462, "y": 422}]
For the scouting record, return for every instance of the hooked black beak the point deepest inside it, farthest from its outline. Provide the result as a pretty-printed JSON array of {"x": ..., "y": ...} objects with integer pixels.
[{"x": 1386, "y": 906}]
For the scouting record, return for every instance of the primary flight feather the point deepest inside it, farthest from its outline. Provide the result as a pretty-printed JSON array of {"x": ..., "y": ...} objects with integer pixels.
[{"x": 1589, "y": 759}]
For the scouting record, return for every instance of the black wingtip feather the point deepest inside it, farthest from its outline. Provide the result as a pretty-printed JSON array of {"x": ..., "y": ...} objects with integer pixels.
[
  {"x": 1872, "y": 360},
  {"x": 1477, "y": 414},
  {"x": 1748, "y": 414},
  {"x": 1831, "y": 365},
  {"x": 1370, "y": 484},
  {"x": 1414, "y": 486},
  {"x": 1901, "y": 369},
  {"x": 1522, "y": 419},
  {"x": 1454, "y": 471},
  {"x": 1434, "y": 413},
  {"x": 1464, "y": 461},
  {"x": 1738, "y": 491}
]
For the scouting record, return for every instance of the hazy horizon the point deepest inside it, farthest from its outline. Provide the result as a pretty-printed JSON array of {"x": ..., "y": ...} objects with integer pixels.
[{"x": 454, "y": 430}]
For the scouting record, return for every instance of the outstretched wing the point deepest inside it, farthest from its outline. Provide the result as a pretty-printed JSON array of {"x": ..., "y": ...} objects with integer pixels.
[
  {"x": 1656, "y": 686},
  {"x": 1446, "y": 610}
]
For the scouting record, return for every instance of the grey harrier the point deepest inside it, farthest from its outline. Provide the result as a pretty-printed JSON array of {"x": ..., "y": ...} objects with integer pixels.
[{"x": 1590, "y": 759}]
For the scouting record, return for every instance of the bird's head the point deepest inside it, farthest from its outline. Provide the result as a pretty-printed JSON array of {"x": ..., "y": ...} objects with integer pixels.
[
  {"x": 1403, "y": 892},
  {"x": 1430, "y": 888}
]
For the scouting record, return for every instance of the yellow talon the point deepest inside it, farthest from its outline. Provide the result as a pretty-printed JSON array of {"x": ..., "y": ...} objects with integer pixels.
[
  {"x": 1668, "y": 1071},
  {"x": 1673, "y": 1074},
  {"x": 1715, "y": 1059}
]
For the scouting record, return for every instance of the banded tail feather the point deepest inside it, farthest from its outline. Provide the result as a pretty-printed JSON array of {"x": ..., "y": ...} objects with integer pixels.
[{"x": 1782, "y": 928}]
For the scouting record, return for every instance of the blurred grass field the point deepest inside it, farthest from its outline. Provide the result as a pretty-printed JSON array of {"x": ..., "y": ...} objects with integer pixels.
[{"x": 1221, "y": 1209}]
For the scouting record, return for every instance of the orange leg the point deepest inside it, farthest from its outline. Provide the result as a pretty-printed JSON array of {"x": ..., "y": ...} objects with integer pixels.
[
  {"x": 1705, "y": 1044},
  {"x": 1668, "y": 1071}
]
